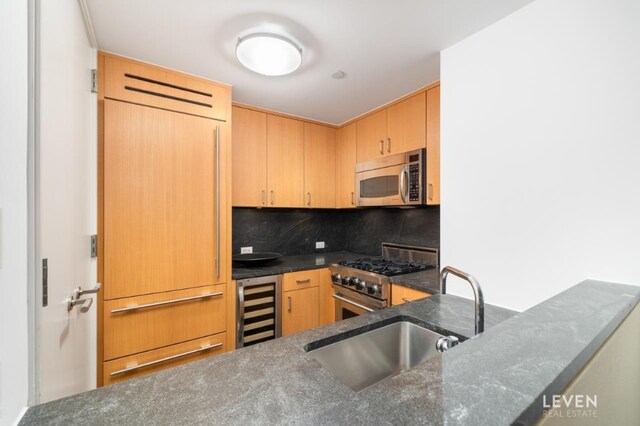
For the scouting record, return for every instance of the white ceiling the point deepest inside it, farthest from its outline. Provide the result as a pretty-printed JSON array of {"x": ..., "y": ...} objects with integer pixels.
[{"x": 387, "y": 48}]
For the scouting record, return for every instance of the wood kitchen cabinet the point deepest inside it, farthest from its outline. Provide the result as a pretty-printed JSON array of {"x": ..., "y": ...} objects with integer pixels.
[
  {"x": 164, "y": 206},
  {"x": 433, "y": 145},
  {"x": 327, "y": 302},
  {"x": 371, "y": 136},
  {"x": 401, "y": 294},
  {"x": 406, "y": 125},
  {"x": 249, "y": 158},
  {"x": 393, "y": 130},
  {"x": 346, "y": 167},
  {"x": 319, "y": 166},
  {"x": 285, "y": 162},
  {"x": 300, "y": 310}
]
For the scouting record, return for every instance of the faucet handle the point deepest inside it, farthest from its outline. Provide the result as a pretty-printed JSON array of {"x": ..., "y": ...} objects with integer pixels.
[{"x": 446, "y": 343}]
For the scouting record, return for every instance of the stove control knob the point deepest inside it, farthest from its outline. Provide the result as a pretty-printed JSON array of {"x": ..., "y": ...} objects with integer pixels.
[
  {"x": 345, "y": 280},
  {"x": 373, "y": 289},
  {"x": 352, "y": 281},
  {"x": 361, "y": 285},
  {"x": 336, "y": 278}
]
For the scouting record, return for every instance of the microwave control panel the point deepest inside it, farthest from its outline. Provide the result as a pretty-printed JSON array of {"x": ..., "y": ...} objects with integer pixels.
[{"x": 414, "y": 182}]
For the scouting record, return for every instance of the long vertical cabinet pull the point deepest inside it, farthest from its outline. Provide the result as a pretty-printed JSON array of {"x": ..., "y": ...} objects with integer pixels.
[{"x": 217, "y": 202}]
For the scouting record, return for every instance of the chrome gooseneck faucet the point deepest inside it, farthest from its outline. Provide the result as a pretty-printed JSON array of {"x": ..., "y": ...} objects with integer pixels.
[{"x": 477, "y": 293}]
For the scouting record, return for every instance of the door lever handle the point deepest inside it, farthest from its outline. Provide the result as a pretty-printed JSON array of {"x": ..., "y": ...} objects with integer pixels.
[
  {"x": 94, "y": 290},
  {"x": 85, "y": 304}
]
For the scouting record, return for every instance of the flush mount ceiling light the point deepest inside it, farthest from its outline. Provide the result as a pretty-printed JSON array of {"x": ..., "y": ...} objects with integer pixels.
[{"x": 269, "y": 54}]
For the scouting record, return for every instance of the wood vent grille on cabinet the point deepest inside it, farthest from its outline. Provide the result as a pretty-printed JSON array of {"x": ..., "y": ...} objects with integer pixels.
[{"x": 164, "y": 95}]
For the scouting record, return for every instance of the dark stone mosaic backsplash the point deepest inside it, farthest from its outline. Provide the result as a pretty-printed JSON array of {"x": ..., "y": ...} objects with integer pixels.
[{"x": 295, "y": 231}]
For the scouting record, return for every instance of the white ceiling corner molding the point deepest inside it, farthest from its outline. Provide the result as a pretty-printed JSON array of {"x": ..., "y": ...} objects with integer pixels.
[{"x": 88, "y": 25}]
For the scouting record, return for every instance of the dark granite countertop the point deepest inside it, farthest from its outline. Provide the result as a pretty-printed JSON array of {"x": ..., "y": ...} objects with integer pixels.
[
  {"x": 424, "y": 281},
  {"x": 495, "y": 378},
  {"x": 293, "y": 264},
  {"x": 428, "y": 280}
]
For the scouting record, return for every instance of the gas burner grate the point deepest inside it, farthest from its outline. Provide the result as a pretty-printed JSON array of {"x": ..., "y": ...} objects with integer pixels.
[{"x": 385, "y": 266}]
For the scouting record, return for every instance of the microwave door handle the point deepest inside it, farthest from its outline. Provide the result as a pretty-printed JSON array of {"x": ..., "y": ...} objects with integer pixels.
[{"x": 404, "y": 177}]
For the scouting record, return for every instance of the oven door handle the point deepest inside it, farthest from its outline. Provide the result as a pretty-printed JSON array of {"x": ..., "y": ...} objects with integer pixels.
[
  {"x": 357, "y": 305},
  {"x": 404, "y": 178}
]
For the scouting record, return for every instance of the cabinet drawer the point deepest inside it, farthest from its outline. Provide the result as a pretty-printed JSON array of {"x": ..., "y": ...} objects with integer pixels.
[
  {"x": 159, "y": 359},
  {"x": 400, "y": 295},
  {"x": 143, "y": 323},
  {"x": 146, "y": 84},
  {"x": 301, "y": 279}
]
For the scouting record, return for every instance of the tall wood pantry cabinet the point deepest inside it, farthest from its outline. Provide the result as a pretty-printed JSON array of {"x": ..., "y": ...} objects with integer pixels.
[{"x": 164, "y": 210}]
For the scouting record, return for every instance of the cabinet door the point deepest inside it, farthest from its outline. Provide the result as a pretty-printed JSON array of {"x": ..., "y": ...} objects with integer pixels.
[
  {"x": 249, "y": 158},
  {"x": 300, "y": 310},
  {"x": 319, "y": 166},
  {"x": 159, "y": 201},
  {"x": 346, "y": 166},
  {"x": 406, "y": 125},
  {"x": 433, "y": 146},
  {"x": 401, "y": 294},
  {"x": 327, "y": 302},
  {"x": 371, "y": 136},
  {"x": 285, "y": 162}
]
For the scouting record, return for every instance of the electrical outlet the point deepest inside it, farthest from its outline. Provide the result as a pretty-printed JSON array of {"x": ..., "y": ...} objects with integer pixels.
[
  {"x": 246, "y": 250},
  {"x": 319, "y": 244}
]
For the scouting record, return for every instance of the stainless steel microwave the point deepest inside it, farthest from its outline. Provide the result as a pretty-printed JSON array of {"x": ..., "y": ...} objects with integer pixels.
[{"x": 396, "y": 180}]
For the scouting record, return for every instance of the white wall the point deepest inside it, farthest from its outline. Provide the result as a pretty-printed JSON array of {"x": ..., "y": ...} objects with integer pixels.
[
  {"x": 541, "y": 150},
  {"x": 13, "y": 202}
]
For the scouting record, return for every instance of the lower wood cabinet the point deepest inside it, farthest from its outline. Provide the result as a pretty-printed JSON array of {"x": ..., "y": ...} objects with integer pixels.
[
  {"x": 401, "y": 294},
  {"x": 327, "y": 302},
  {"x": 300, "y": 301},
  {"x": 300, "y": 310},
  {"x": 159, "y": 359},
  {"x": 138, "y": 324}
]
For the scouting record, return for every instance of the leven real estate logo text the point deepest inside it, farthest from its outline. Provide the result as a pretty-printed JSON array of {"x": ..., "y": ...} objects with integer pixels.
[{"x": 570, "y": 406}]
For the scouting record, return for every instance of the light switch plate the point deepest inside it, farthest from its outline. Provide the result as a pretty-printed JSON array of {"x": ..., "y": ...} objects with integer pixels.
[
  {"x": 319, "y": 244},
  {"x": 246, "y": 250}
]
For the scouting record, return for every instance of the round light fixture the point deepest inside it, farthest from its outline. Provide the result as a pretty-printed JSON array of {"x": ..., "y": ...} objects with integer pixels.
[{"x": 269, "y": 54}]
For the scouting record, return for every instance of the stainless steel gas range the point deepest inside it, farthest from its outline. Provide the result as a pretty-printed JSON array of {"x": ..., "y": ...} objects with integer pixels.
[{"x": 363, "y": 285}]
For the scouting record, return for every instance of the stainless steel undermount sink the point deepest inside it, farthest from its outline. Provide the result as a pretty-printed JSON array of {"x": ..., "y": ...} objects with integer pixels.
[{"x": 371, "y": 356}]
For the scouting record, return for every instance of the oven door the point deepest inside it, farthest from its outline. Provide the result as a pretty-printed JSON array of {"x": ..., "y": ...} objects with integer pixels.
[{"x": 351, "y": 304}]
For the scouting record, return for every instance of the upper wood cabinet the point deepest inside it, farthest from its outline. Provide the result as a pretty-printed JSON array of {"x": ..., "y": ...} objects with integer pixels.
[
  {"x": 371, "y": 136},
  {"x": 285, "y": 162},
  {"x": 160, "y": 208},
  {"x": 147, "y": 84},
  {"x": 346, "y": 166},
  {"x": 406, "y": 125},
  {"x": 249, "y": 158},
  {"x": 319, "y": 166},
  {"x": 433, "y": 145},
  {"x": 393, "y": 130}
]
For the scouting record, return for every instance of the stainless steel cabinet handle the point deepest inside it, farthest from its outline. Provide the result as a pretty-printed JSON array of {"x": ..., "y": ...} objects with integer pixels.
[
  {"x": 352, "y": 303},
  {"x": 388, "y": 144},
  {"x": 353, "y": 198},
  {"x": 309, "y": 198},
  {"x": 430, "y": 191},
  {"x": 169, "y": 358},
  {"x": 264, "y": 197},
  {"x": 273, "y": 197},
  {"x": 217, "y": 201},
  {"x": 407, "y": 300},
  {"x": 304, "y": 280},
  {"x": 167, "y": 302},
  {"x": 381, "y": 146},
  {"x": 289, "y": 302}
]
